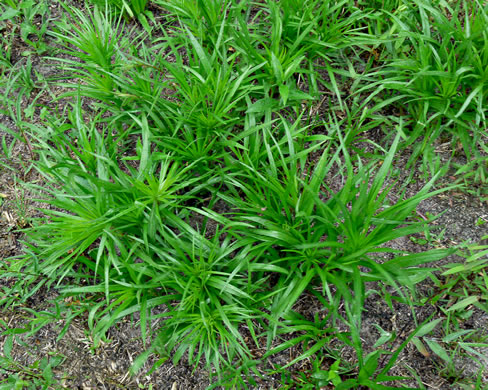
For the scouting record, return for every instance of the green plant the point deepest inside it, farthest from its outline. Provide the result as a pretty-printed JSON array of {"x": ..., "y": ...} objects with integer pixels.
[
  {"x": 466, "y": 282},
  {"x": 203, "y": 18},
  {"x": 6, "y": 40},
  {"x": 36, "y": 375},
  {"x": 214, "y": 297},
  {"x": 308, "y": 236},
  {"x": 245, "y": 159},
  {"x": 281, "y": 62},
  {"x": 19, "y": 103},
  {"x": 459, "y": 290},
  {"x": 436, "y": 69},
  {"x": 130, "y": 9},
  {"x": 210, "y": 87},
  {"x": 23, "y": 14},
  {"x": 474, "y": 174},
  {"x": 98, "y": 38}
]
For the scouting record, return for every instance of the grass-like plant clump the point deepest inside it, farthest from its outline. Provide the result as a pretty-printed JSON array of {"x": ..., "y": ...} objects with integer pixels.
[{"x": 220, "y": 160}]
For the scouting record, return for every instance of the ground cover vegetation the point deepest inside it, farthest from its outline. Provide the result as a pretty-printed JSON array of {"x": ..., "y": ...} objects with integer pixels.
[{"x": 208, "y": 164}]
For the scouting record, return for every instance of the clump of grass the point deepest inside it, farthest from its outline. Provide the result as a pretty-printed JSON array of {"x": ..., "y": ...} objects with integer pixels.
[
  {"x": 216, "y": 114},
  {"x": 436, "y": 67}
]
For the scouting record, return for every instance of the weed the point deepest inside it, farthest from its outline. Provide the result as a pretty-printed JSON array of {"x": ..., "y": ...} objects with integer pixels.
[{"x": 226, "y": 169}]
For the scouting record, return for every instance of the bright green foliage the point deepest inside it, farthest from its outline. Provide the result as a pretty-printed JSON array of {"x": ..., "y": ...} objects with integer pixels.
[
  {"x": 437, "y": 65},
  {"x": 214, "y": 297},
  {"x": 30, "y": 21},
  {"x": 98, "y": 42},
  {"x": 130, "y": 9},
  {"x": 212, "y": 177}
]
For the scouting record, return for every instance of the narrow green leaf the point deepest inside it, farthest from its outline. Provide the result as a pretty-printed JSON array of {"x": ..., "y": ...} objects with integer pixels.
[
  {"x": 139, "y": 361},
  {"x": 7, "y": 346},
  {"x": 310, "y": 352},
  {"x": 427, "y": 328},
  {"x": 10, "y": 13},
  {"x": 284, "y": 92},
  {"x": 202, "y": 56},
  {"x": 262, "y": 105},
  {"x": 369, "y": 368},
  {"x": 420, "y": 347},
  {"x": 468, "y": 100},
  {"x": 464, "y": 303},
  {"x": 438, "y": 350},
  {"x": 292, "y": 293}
]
